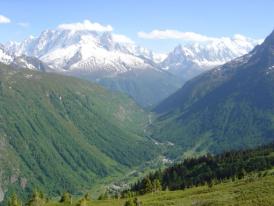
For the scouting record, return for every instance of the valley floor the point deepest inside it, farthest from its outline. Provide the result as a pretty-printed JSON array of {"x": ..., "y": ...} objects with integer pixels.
[{"x": 252, "y": 190}]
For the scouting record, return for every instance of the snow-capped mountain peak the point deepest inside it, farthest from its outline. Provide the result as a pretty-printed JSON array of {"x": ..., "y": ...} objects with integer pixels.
[
  {"x": 67, "y": 49},
  {"x": 189, "y": 60},
  {"x": 84, "y": 50}
]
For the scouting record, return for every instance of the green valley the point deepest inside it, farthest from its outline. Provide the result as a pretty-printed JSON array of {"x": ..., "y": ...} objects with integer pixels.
[{"x": 60, "y": 133}]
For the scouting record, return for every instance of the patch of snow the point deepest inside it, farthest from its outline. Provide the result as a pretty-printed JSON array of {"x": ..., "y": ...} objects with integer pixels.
[
  {"x": 170, "y": 143},
  {"x": 23, "y": 63},
  {"x": 28, "y": 76},
  {"x": 167, "y": 143},
  {"x": 270, "y": 68},
  {"x": 165, "y": 160}
]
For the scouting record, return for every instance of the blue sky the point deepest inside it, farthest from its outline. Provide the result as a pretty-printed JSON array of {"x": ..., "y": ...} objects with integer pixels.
[{"x": 211, "y": 18}]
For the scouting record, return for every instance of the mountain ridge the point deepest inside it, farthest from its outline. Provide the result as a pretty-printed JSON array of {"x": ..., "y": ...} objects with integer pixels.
[
  {"x": 120, "y": 65},
  {"x": 192, "y": 59},
  {"x": 225, "y": 108},
  {"x": 99, "y": 57},
  {"x": 56, "y": 47},
  {"x": 22, "y": 61}
]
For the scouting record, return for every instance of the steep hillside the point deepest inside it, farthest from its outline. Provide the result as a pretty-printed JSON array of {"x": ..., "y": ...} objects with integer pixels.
[
  {"x": 59, "y": 133},
  {"x": 226, "y": 108}
]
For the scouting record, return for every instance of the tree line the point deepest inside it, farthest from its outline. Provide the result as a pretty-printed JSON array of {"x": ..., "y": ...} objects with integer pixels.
[
  {"x": 39, "y": 199},
  {"x": 207, "y": 169}
]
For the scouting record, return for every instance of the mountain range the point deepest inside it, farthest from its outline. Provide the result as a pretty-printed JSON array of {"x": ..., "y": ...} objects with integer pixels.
[
  {"x": 119, "y": 64},
  {"x": 190, "y": 60},
  {"x": 22, "y": 61},
  {"x": 228, "y": 107},
  {"x": 101, "y": 57}
]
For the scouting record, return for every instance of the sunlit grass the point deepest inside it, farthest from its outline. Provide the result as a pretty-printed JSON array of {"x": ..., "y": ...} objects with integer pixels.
[{"x": 252, "y": 190}]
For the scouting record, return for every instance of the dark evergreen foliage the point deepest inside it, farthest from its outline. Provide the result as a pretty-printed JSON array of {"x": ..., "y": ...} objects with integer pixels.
[{"x": 208, "y": 169}]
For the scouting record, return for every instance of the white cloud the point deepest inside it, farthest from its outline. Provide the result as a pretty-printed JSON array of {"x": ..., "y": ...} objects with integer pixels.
[
  {"x": 23, "y": 24},
  {"x": 93, "y": 26},
  {"x": 190, "y": 36},
  {"x": 174, "y": 34},
  {"x": 239, "y": 37},
  {"x": 86, "y": 25},
  {"x": 4, "y": 20},
  {"x": 122, "y": 39}
]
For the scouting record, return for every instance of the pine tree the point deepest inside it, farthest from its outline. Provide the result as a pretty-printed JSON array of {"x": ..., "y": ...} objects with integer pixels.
[
  {"x": 103, "y": 196},
  {"x": 148, "y": 187},
  {"x": 37, "y": 199},
  {"x": 82, "y": 202},
  {"x": 129, "y": 203},
  {"x": 87, "y": 197},
  {"x": 210, "y": 183},
  {"x": 66, "y": 198},
  {"x": 158, "y": 185},
  {"x": 14, "y": 201},
  {"x": 137, "y": 202},
  {"x": 241, "y": 174}
]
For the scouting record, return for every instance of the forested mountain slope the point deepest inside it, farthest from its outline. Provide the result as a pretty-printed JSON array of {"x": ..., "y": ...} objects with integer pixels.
[
  {"x": 226, "y": 108},
  {"x": 60, "y": 133}
]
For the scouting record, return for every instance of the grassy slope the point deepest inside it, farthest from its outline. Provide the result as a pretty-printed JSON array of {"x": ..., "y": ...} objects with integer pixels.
[
  {"x": 250, "y": 191},
  {"x": 61, "y": 133}
]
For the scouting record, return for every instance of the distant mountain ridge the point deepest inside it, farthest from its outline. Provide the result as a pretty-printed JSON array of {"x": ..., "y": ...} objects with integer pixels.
[
  {"x": 102, "y": 58},
  {"x": 22, "y": 61},
  {"x": 190, "y": 60},
  {"x": 119, "y": 64},
  {"x": 83, "y": 50}
]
